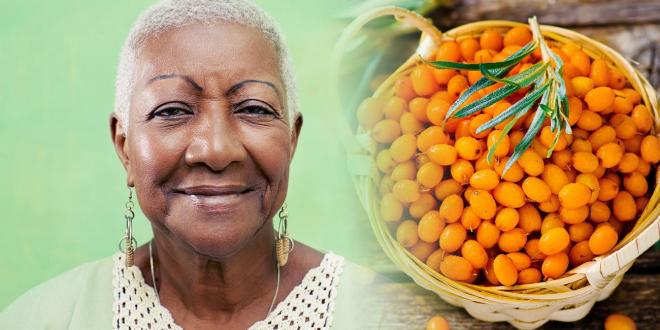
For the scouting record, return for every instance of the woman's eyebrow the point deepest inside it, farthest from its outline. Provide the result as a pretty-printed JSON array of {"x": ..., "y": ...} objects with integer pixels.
[
  {"x": 179, "y": 76},
  {"x": 241, "y": 84}
]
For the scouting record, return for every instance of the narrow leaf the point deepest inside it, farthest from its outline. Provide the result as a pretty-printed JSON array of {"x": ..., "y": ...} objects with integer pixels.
[
  {"x": 523, "y": 104},
  {"x": 526, "y": 141}
]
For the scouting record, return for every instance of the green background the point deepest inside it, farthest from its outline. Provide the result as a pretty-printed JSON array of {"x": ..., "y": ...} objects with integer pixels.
[{"x": 63, "y": 188}]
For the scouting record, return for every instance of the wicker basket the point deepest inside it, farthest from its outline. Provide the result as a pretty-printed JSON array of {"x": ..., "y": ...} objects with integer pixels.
[{"x": 529, "y": 306}]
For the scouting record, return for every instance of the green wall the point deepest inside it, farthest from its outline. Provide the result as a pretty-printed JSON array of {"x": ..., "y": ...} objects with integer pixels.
[{"x": 63, "y": 188}]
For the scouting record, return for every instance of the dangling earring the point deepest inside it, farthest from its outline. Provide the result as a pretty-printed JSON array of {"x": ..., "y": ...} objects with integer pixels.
[
  {"x": 128, "y": 242},
  {"x": 283, "y": 243}
]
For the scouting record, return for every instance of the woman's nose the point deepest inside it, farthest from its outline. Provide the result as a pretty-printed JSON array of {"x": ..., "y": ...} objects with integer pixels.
[{"x": 215, "y": 142}]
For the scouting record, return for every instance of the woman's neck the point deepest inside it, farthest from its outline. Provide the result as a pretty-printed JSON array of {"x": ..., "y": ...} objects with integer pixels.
[{"x": 195, "y": 288}]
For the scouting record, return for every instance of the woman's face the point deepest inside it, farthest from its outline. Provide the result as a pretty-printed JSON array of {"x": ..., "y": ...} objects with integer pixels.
[{"x": 209, "y": 143}]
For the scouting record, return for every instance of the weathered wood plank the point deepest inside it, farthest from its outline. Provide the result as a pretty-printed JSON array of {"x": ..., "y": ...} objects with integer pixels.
[{"x": 409, "y": 307}]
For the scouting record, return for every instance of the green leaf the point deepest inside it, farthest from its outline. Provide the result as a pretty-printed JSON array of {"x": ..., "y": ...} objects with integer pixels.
[
  {"x": 526, "y": 141},
  {"x": 510, "y": 61},
  {"x": 490, "y": 76},
  {"x": 505, "y": 131},
  {"x": 522, "y": 105}
]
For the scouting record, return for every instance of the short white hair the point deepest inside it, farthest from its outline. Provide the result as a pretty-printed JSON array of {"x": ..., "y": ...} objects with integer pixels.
[{"x": 168, "y": 14}]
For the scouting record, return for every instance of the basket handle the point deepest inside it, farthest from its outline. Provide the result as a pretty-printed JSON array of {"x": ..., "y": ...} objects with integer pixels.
[
  {"x": 361, "y": 147},
  {"x": 600, "y": 272}
]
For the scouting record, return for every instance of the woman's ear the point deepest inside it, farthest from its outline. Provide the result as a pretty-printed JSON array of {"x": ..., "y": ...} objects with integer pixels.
[
  {"x": 295, "y": 132},
  {"x": 118, "y": 136}
]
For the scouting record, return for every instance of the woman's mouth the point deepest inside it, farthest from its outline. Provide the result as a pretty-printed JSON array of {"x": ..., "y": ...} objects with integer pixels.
[{"x": 216, "y": 198}]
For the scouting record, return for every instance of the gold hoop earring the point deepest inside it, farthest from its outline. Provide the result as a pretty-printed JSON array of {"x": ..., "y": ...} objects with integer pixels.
[
  {"x": 128, "y": 243},
  {"x": 283, "y": 243}
]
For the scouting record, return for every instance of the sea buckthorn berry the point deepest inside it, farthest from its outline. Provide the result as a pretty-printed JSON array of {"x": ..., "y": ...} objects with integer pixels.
[
  {"x": 482, "y": 164},
  {"x": 581, "y": 61},
  {"x": 599, "y": 212},
  {"x": 437, "y": 323},
  {"x": 484, "y": 55},
  {"x": 551, "y": 221},
  {"x": 582, "y": 85},
  {"x": 406, "y": 191},
  {"x": 531, "y": 163},
  {"x": 608, "y": 189},
  {"x": 404, "y": 171},
  {"x": 423, "y": 82},
  {"x": 585, "y": 162},
  {"x": 530, "y": 218},
  {"x": 529, "y": 276},
  {"x": 520, "y": 260},
  {"x": 452, "y": 237},
  {"x": 532, "y": 250},
  {"x": 507, "y": 219},
  {"x": 512, "y": 240},
  {"x": 406, "y": 233},
  {"x": 635, "y": 184},
  {"x": 536, "y": 189},
  {"x": 435, "y": 258},
  {"x": 619, "y": 321},
  {"x": 448, "y": 51},
  {"x": 555, "y": 265},
  {"x": 409, "y": 124},
  {"x": 642, "y": 118},
  {"x": 624, "y": 207},
  {"x": 581, "y": 145},
  {"x": 622, "y": 105},
  {"x": 431, "y": 136},
  {"x": 430, "y": 226},
  {"x": 573, "y": 216},
  {"x": 469, "y": 219},
  {"x": 369, "y": 112},
  {"x": 641, "y": 203},
  {"x": 422, "y": 250},
  {"x": 603, "y": 240},
  {"x": 384, "y": 161},
  {"x": 486, "y": 179},
  {"x": 436, "y": 111},
  {"x": 505, "y": 270},
  {"x": 491, "y": 39},
  {"x": 446, "y": 188},
  {"x": 468, "y": 47},
  {"x": 580, "y": 231},
  {"x": 599, "y": 98},
  {"x": 632, "y": 95},
  {"x": 644, "y": 167},
  {"x": 554, "y": 241},
  {"x": 451, "y": 208},
  {"x": 591, "y": 181},
  {"x": 602, "y": 136},
  {"x": 600, "y": 73},
  {"x": 617, "y": 79},
  {"x": 574, "y": 110},
  {"x": 442, "y": 154},
  {"x": 483, "y": 204},
  {"x": 519, "y": 35},
  {"x": 487, "y": 234},
  {"x": 391, "y": 208},
  {"x": 430, "y": 174},
  {"x": 403, "y": 148},
  {"x": 589, "y": 121},
  {"x": 555, "y": 177},
  {"x": 650, "y": 149},
  {"x": 394, "y": 108},
  {"x": 476, "y": 122},
  {"x": 551, "y": 205},
  {"x": 489, "y": 273},
  {"x": 468, "y": 148},
  {"x": 580, "y": 253},
  {"x": 475, "y": 254},
  {"x": 514, "y": 174},
  {"x": 456, "y": 268},
  {"x": 610, "y": 154},
  {"x": 503, "y": 147},
  {"x": 509, "y": 194},
  {"x": 403, "y": 88},
  {"x": 385, "y": 185},
  {"x": 461, "y": 170},
  {"x": 417, "y": 107},
  {"x": 423, "y": 205},
  {"x": 626, "y": 129},
  {"x": 574, "y": 195},
  {"x": 457, "y": 84},
  {"x": 547, "y": 138}
]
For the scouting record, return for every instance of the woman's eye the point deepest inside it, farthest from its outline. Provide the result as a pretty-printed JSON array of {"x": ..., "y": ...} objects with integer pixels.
[
  {"x": 170, "y": 112},
  {"x": 257, "y": 110}
]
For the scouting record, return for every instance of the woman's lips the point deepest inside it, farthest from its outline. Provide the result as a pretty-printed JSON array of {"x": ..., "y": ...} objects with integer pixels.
[{"x": 216, "y": 198}]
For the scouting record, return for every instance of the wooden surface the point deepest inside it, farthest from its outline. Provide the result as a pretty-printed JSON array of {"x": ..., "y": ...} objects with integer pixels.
[{"x": 628, "y": 26}]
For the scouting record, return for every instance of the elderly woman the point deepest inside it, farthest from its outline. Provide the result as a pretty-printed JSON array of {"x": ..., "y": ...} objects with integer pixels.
[{"x": 205, "y": 125}]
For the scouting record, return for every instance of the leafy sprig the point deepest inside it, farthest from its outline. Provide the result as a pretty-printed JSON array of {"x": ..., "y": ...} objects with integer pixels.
[{"x": 548, "y": 86}]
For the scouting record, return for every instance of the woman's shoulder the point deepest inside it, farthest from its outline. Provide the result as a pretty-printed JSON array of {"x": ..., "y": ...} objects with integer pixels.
[{"x": 70, "y": 300}]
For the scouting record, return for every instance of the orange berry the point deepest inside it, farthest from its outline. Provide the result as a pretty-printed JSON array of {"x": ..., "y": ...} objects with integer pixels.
[
  {"x": 551, "y": 205},
  {"x": 601, "y": 136},
  {"x": 574, "y": 110},
  {"x": 591, "y": 181},
  {"x": 437, "y": 323},
  {"x": 619, "y": 321},
  {"x": 369, "y": 112},
  {"x": 650, "y": 149},
  {"x": 452, "y": 237},
  {"x": 532, "y": 250},
  {"x": 573, "y": 216},
  {"x": 574, "y": 195},
  {"x": 589, "y": 121},
  {"x": 409, "y": 124},
  {"x": 622, "y": 105},
  {"x": 406, "y": 233},
  {"x": 404, "y": 171},
  {"x": 536, "y": 189},
  {"x": 403, "y": 148},
  {"x": 520, "y": 260},
  {"x": 476, "y": 122},
  {"x": 624, "y": 207},
  {"x": 503, "y": 147},
  {"x": 642, "y": 118},
  {"x": 507, "y": 219},
  {"x": 554, "y": 241},
  {"x": 451, "y": 208},
  {"x": 635, "y": 184},
  {"x": 430, "y": 226},
  {"x": 585, "y": 162},
  {"x": 580, "y": 231},
  {"x": 519, "y": 35},
  {"x": 530, "y": 218},
  {"x": 505, "y": 270},
  {"x": 456, "y": 85},
  {"x": 435, "y": 258},
  {"x": 406, "y": 191},
  {"x": 555, "y": 265},
  {"x": 475, "y": 254},
  {"x": 384, "y": 161},
  {"x": 608, "y": 189},
  {"x": 551, "y": 221},
  {"x": 531, "y": 163},
  {"x": 529, "y": 276},
  {"x": 436, "y": 111},
  {"x": 423, "y": 205},
  {"x": 487, "y": 234},
  {"x": 514, "y": 174},
  {"x": 469, "y": 219},
  {"x": 644, "y": 167},
  {"x": 483, "y": 204},
  {"x": 391, "y": 208},
  {"x": 632, "y": 95},
  {"x": 461, "y": 170},
  {"x": 617, "y": 79},
  {"x": 580, "y": 253},
  {"x": 599, "y": 212},
  {"x": 555, "y": 177},
  {"x": 448, "y": 51},
  {"x": 423, "y": 82},
  {"x": 547, "y": 138},
  {"x": 417, "y": 107},
  {"x": 610, "y": 154},
  {"x": 395, "y": 107},
  {"x": 446, "y": 188},
  {"x": 422, "y": 250},
  {"x": 603, "y": 240},
  {"x": 486, "y": 179},
  {"x": 509, "y": 194},
  {"x": 468, "y": 47},
  {"x": 442, "y": 154},
  {"x": 456, "y": 268},
  {"x": 468, "y": 148},
  {"x": 403, "y": 88},
  {"x": 581, "y": 85},
  {"x": 430, "y": 174},
  {"x": 431, "y": 136},
  {"x": 600, "y": 73},
  {"x": 386, "y": 131},
  {"x": 491, "y": 39},
  {"x": 581, "y": 61},
  {"x": 512, "y": 240},
  {"x": 599, "y": 98},
  {"x": 626, "y": 129}
]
